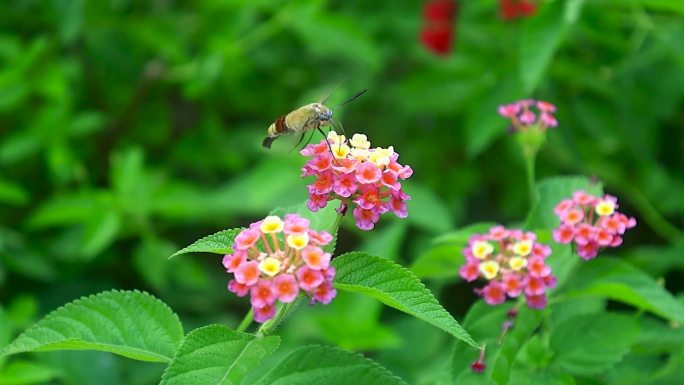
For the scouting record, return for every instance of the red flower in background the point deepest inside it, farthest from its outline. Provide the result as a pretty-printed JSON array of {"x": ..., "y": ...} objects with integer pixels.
[
  {"x": 513, "y": 9},
  {"x": 437, "y": 33},
  {"x": 439, "y": 10}
]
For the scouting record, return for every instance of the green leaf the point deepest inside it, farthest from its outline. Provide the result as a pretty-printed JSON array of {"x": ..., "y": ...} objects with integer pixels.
[
  {"x": 363, "y": 331},
  {"x": 89, "y": 367},
  {"x": 636, "y": 369},
  {"x": 571, "y": 307},
  {"x": 325, "y": 219},
  {"x": 215, "y": 354},
  {"x": 426, "y": 209},
  {"x": 394, "y": 286},
  {"x": 440, "y": 261},
  {"x": 535, "y": 353},
  {"x": 521, "y": 376},
  {"x": 100, "y": 231},
  {"x": 386, "y": 241},
  {"x": 5, "y": 328},
  {"x": 12, "y": 193},
  {"x": 445, "y": 257},
  {"x": 541, "y": 37},
  {"x": 617, "y": 280},
  {"x": 664, "y": 5},
  {"x": 25, "y": 372},
  {"x": 461, "y": 236},
  {"x": 129, "y": 323},
  {"x": 328, "y": 365},
  {"x": 483, "y": 124},
  {"x": 485, "y": 322},
  {"x": 658, "y": 338},
  {"x": 550, "y": 192},
  {"x": 592, "y": 343},
  {"x": 563, "y": 261},
  {"x": 217, "y": 243}
]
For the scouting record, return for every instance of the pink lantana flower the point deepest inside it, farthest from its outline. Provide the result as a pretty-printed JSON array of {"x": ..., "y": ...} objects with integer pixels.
[
  {"x": 523, "y": 116},
  {"x": 591, "y": 223},
  {"x": 275, "y": 259},
  {"x": 370, "y": 178},
  {"x": 512, "y": 262}
]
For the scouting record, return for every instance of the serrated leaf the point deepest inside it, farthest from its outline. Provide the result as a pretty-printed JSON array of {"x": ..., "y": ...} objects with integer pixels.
[
  {"x": 541, "y": 37},
  {"x": 129, "y": 323},
  {"x": 328, "y": 365},
  {"x": 215, "y": 354},
  {"x": 620, "y": 281},
  {"x": 592, "y": 343},
  {"x": 217, "y": 243},
  {"x": 394, "y": 286}
]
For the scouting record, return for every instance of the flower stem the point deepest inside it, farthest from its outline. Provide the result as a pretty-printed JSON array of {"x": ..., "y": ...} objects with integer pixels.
[
  {"x": 246, "y": 321},
  {"x": 270, "y": 325},
  {"x": 529, "y": 168},
  {"x": 338, "y": 220}
]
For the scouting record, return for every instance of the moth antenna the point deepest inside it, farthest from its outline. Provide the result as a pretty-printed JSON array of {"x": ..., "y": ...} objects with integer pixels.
[{"x": 363, "y": 91}]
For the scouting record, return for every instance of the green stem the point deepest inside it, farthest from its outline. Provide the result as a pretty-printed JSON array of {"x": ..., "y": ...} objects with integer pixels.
[
  {"x": 530, "y": 157},
  {"x": 336, "y": 225},
  {"x": 249, "y": 317},
  {"x": 270, "y": 325}
]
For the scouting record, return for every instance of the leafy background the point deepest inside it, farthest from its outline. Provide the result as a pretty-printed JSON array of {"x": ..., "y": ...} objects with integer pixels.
[{"x": 130, "y": 129}]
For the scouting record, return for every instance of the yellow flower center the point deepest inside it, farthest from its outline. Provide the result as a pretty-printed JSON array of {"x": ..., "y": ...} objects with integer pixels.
[
  {"x": 298, "y": 241},
  {"x": 517, "y": 263},
  {"x": 482, "y": 249},
  {"x": 340, "y": 150},
  {"x": 489, "y": 269},
  {"x": 605, "y": 208},
  {"x": 522, "y": 248},
  {"x": 270, "y": 266},
  {"x": 272, "y": 224}
]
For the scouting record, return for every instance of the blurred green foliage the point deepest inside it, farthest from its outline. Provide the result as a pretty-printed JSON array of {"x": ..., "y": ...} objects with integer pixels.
[{"x": 129, "y": 129}]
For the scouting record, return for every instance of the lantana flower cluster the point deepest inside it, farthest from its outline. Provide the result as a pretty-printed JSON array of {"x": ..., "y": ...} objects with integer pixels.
[
  {"x": 352, "y": 171},
  {"x": 591, "y": 222},
  {"x": 512, "y": 262},
  {"x": 523, "y": 116},
  {"x": 274, "y": 259}
]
